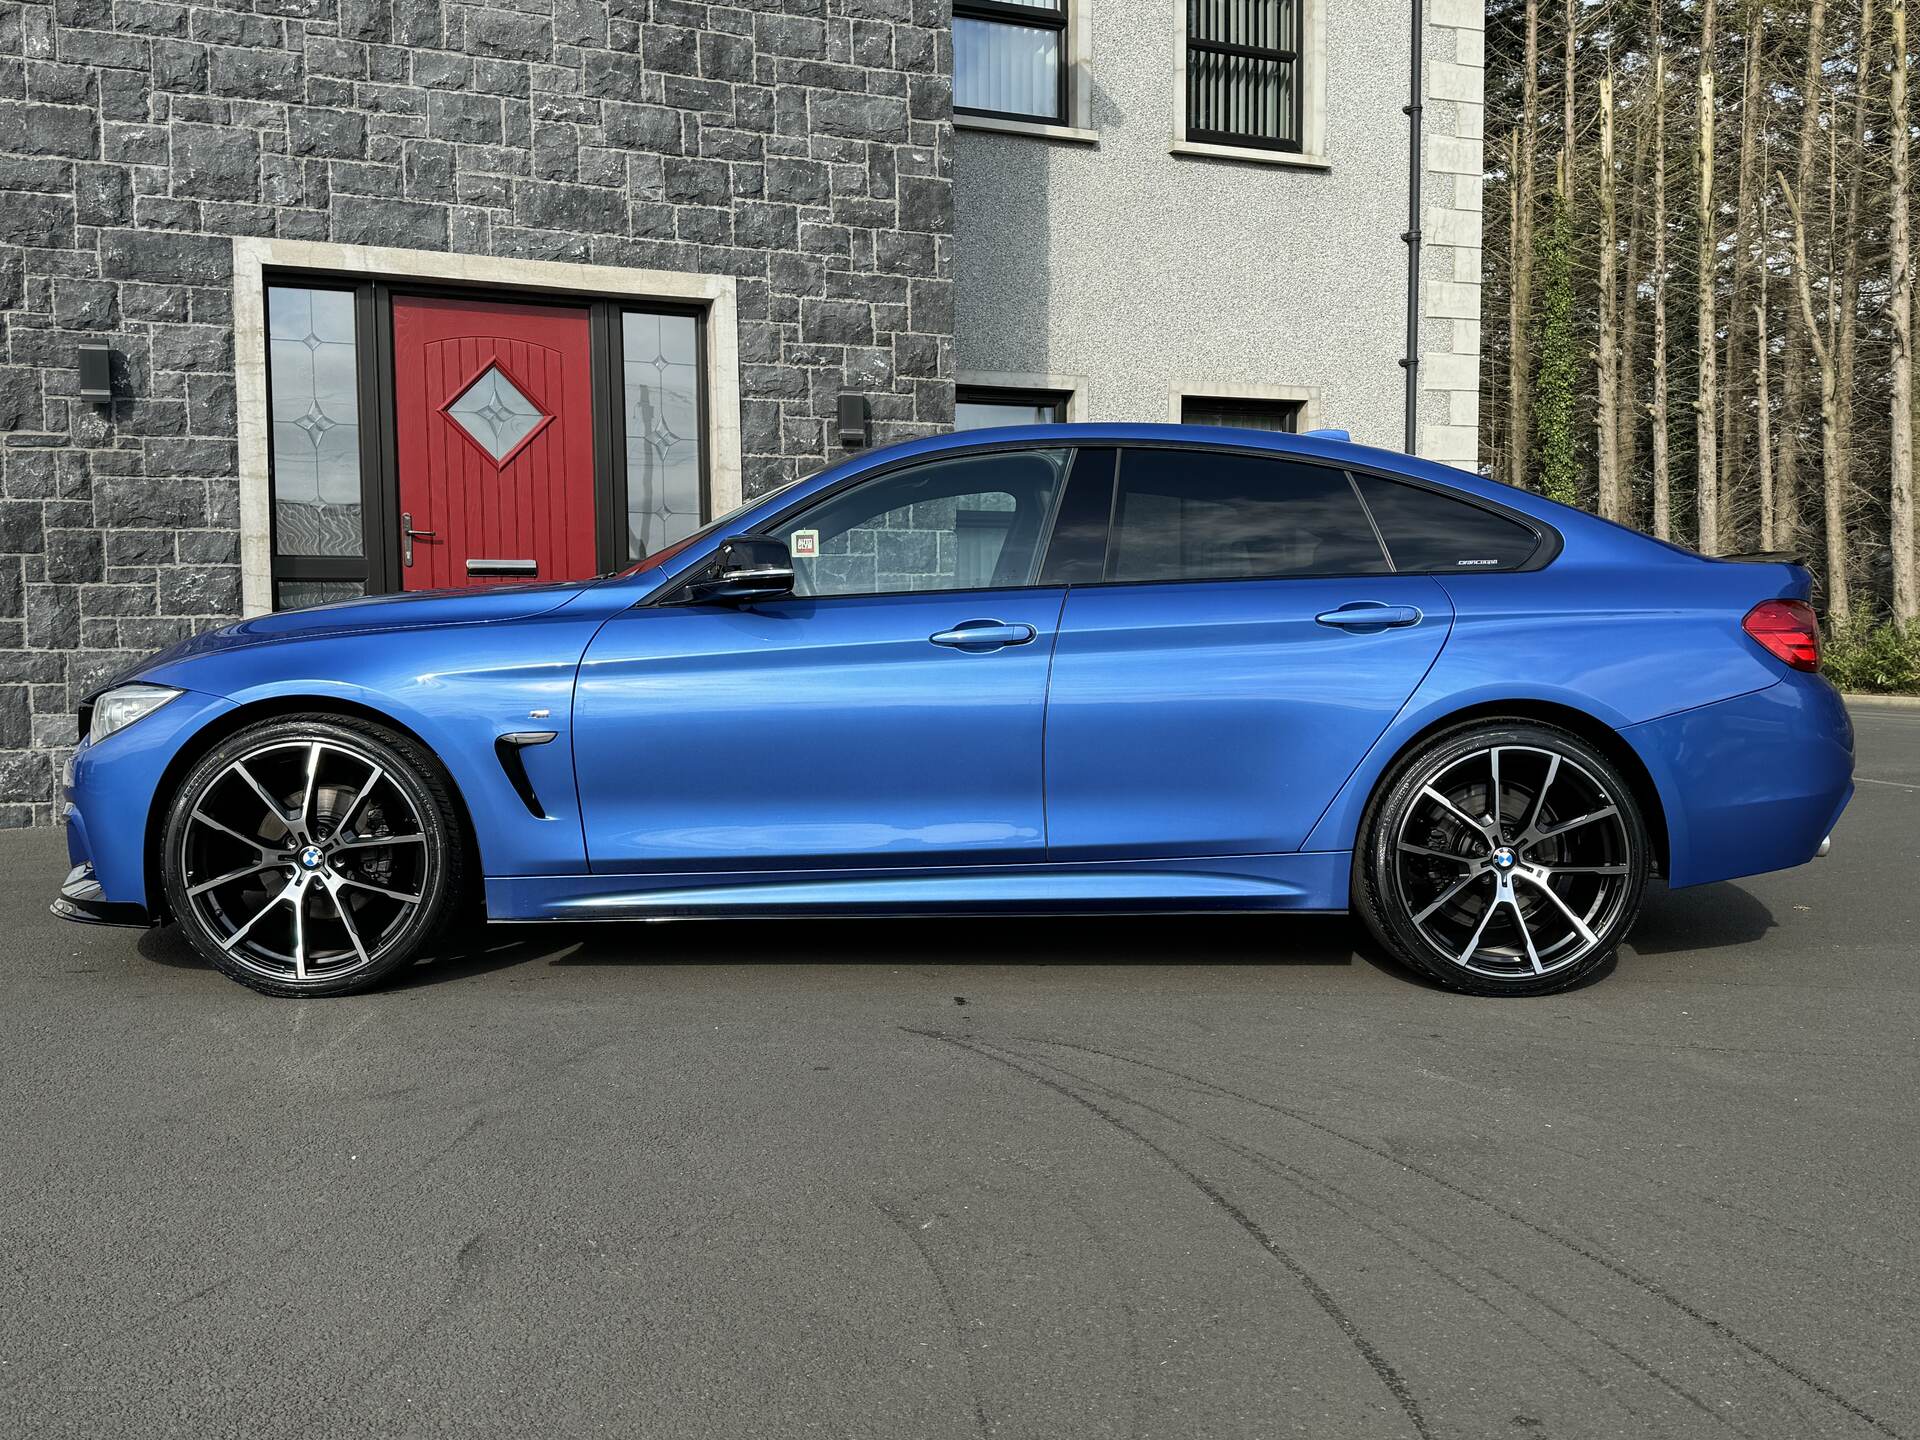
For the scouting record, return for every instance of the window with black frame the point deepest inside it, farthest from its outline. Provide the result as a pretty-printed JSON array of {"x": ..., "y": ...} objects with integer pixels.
[
  {"x": 1282, "y": 415},
  {"x": 979, "y": 407},
  {"x": 1243, "y": 73},
  {"x": 1010, "y": 59}
]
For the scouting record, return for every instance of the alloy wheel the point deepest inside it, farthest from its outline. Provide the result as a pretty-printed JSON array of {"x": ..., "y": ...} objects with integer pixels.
[
  {"x": 305, "y": 860},
  {"x": 1513, "y": 861}
]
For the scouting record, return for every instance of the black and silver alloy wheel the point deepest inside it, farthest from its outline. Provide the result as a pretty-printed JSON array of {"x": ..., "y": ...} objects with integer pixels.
[
  {"x": 311, "y": 856},
  {"x": 1504, "y": 859}
]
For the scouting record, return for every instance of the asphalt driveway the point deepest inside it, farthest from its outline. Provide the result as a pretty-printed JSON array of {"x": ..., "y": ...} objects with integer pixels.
[{"x": 1053, "y": 1179}]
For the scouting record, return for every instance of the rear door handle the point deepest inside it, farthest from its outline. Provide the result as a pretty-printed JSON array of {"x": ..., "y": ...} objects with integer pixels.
[
  {"x": 984, "y": 635},
  {"x": 1368, "y": 615}
]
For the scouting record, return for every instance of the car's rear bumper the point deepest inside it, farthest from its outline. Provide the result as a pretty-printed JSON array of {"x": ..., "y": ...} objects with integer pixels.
[{"x": 1751, "y": 784}]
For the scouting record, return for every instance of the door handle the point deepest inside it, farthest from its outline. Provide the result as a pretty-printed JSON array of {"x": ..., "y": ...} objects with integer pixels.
[
  {"x": 983, "y": 635},
  {"x": 408, "y": 535},
  {"x": 1369, "y": 615}
]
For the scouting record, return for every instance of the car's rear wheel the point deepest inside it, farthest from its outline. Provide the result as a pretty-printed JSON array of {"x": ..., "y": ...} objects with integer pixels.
[
  {"x": 313, "y": 855},
  {"x": 1503, "y": 859}
]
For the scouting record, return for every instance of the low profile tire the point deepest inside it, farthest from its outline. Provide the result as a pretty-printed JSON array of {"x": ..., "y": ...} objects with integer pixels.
[
  {"x": 1503, "y": 858},
  {"x": 313, "y": 855}
]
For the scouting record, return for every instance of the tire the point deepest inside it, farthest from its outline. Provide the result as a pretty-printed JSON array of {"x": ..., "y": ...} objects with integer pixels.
[
  {"x": 1531, "y": 905},
  {"x": 313, "y": 855}
]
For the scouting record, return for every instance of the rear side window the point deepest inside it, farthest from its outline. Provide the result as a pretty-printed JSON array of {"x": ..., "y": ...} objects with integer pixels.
[
  {"x": 1430, "y": 533},
  {"x": 1209, "y": 515}
]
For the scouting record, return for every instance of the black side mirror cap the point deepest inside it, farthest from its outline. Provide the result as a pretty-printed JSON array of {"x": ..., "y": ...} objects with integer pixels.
[{"x": 746, "y": 568}]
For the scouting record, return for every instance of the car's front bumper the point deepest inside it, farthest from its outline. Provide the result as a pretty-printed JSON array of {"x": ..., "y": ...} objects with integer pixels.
[
  {"x": 110, "y": 793},
  {"x": 81, "y": 899}
]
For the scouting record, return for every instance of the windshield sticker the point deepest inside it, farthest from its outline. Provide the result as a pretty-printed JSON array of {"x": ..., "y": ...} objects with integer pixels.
[{"x": 806, "y": 544}]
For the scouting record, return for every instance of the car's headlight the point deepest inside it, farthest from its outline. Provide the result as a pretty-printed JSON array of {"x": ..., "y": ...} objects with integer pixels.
[{"x": 121, "y": 706}]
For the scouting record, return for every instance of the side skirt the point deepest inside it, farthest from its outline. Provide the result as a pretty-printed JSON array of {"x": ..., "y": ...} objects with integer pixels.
[{"x": 1301, "y": 882}]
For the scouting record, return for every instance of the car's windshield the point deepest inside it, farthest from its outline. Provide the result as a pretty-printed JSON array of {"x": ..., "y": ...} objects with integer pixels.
[{"x": 666, "y": 553}]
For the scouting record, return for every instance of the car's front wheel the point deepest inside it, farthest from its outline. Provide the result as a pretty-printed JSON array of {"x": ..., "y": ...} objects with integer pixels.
[
  {"x": 313, "y": 854},
  {"x": 1503, "y": 858}
]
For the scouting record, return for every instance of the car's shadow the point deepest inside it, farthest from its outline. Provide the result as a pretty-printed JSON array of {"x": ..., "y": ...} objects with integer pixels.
[
  {"x": 1709, "y": 918},
  {"x": 1108, "y": 940}
]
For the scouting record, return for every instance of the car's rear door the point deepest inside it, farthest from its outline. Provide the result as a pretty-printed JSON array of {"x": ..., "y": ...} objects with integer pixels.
[
  {"x": 887, "y": 714},
  {"x": 1243, "y": 645}
]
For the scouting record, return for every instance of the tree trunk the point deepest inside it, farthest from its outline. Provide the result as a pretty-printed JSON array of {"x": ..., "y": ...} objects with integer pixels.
[
  {"x": 1629, "y": 428},
  {"x": 1606, "y": 416},
  {"x": 1763, "y": 416},
  {"x": 1906, "y": 606},
  {"x": 1752, "y": 107},
  {"x": 1662, "y": 481},
  {"x": 1794, "y": 384},
  {"x": 1520, "y": 297},
  {"x": 1837, "y": 597},
  {"x": 1706, "y": 397},
  {"x": 1846, "y": 255}
]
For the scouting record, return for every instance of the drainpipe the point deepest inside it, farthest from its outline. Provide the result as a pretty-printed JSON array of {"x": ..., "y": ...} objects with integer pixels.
[{"x": 1410, "y": 362}]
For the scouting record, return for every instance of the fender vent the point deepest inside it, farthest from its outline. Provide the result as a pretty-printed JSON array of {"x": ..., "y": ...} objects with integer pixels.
[{"x": 508, "y": 748}]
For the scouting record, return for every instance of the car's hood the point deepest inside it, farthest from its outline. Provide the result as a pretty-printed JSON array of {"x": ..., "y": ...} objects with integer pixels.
[{"x": 377, "y": 615}]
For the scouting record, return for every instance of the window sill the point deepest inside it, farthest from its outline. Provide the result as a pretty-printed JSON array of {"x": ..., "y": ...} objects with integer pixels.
[
  {"x": 1036, "y": 129},
  {"x": 1290, "y": 159}
]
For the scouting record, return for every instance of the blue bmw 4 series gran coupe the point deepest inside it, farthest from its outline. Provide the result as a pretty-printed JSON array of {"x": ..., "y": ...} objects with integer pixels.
[{"x": 1056, "y": 668}]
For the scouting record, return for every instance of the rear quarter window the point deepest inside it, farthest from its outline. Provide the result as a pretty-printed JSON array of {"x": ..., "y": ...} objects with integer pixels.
[{"x": 1430, "y": 533}]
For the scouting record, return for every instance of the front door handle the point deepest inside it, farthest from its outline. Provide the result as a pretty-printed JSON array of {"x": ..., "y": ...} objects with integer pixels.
[
  {"x": 408, "y": 535},
  {"x": 1369, "y": 615},
  {"x": 983, "y": 635}
]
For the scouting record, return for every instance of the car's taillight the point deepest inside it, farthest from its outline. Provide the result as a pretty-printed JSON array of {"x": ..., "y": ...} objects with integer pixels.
[{"x": 1787, "y": 630}]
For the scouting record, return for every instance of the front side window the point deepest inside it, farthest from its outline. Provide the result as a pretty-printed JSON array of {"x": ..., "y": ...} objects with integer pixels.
[
  {"x": 1200, "y": 515},
  {"x": 970, "y": 523},
  {"x": 1430, "y": 533},
  {"x": 977, "y": 408},
  {"x": 1010, "y": 58},
  {"x": 1243, "y": 72}
]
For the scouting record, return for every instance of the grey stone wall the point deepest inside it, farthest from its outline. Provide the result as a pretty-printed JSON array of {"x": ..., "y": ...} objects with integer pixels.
[{"x": 804, "y": 148}]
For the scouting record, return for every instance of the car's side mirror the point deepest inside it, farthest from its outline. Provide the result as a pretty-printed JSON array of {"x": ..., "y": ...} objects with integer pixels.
[{"x": 746, "y": 568}]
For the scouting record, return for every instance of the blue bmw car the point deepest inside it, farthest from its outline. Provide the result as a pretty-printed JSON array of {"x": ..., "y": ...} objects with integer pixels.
[{"x": 1059, "y": 668}]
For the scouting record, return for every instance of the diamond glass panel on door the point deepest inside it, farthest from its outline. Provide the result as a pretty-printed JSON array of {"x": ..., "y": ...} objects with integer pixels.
[
  {"x": 496, "y": 415},
  {"x": 660, "y": 363},
  {"x": 315, "y": 402}
]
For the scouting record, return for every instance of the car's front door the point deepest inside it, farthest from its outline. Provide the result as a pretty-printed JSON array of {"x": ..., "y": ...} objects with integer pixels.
[
  {"x": 1247, "y": 642},
  {"x": 889, "y": 713}
]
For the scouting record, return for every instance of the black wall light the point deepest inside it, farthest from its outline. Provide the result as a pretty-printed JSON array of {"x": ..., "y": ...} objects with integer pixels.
[
  {"x": 96, "y": 372},
  {"x": 852, "y": 422}
]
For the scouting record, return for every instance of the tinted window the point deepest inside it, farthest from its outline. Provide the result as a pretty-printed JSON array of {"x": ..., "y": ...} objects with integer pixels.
[
  {"x": 1426, "y": 531},
  {"x": 1077, "y": 554},
  {"x": 1202, "y": 515},
  {"x": 964, "y": 524}
]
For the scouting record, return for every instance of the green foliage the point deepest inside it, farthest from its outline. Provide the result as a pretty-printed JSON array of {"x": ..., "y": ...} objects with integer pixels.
[
  {"x": 1868, "y": 658},
  {"x": 1555, "y": 459}
]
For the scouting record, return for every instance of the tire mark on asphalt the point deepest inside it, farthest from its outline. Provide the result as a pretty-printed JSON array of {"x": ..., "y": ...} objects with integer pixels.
[
  {"x": 1606, "y": 1262},
  {"x": 1383, "y": 1369},
  {"x": 1275, "y": 1166},
  {"x": 1327, "y": 1193},
  {"x": 907, "y": 1228}
]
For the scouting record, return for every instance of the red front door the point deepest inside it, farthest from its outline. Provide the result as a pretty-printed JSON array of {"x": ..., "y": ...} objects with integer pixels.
[{"x": 494, "y": 419}]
